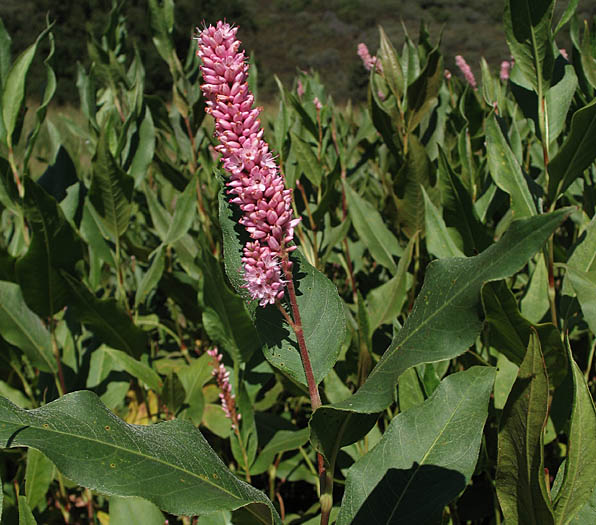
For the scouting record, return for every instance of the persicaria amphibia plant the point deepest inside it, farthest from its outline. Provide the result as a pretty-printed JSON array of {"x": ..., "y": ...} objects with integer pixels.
[{"x": 255, "y": 180}]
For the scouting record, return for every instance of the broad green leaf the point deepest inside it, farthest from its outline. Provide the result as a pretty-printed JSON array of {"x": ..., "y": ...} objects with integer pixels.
[
  {"x": 111, "y": 190},
  {"x": 425, "y": 458},
  {"x": 152, "y": 276},
  {"x": 391, "y": 67},
  {"x": 25, "y": 514},
  {"x": 580, "y": 465},
  {"x": 106, "y": 319},
  {"x": 409, "y": 390},
  {"x": 584, "y": 254},
  {"x": 576, "y": 153},
  {"x": 96, "y": 449},
  {"x": 138, "y": 369},
  {"x": 134, "y": 511},
  {"x": 323, "y": 323},
  {"x": 380, "y": 116},
  {"x": 310, "y": 166},
  {"x": 14, "y": 88},
  {"x": 24, "y": 329},
  {"x": 506, "y": 375},
  {"x": 5, "y": 42},
  {"x": 162, "y": 24},
  {"x": 520, "y": 481},
  {"x": 185, "y": 212},
  {"x": 371, "y": 229},
  {"x": 567, "y": 14},
  {"x": 506, "y": 171},
  {"x": 587, "y": 514},
  {"x": 529, "y": 37},
  {"x": 416, "y": 173},
  {"x": 438, "y": 240},
  {"x": 39, "y": 474},
  {"x": 443, "y": 323},
  {"x": 584, "y": 284},
  {"x": 54, "y": 246},
  {"x": 558, "y": 100},
  {"x": 386, "y": 301},
  {"x": 282, "y": 441}
]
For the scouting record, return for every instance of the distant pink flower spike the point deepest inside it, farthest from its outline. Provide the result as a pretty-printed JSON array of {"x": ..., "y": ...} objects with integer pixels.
[
  {"x": 447, "y": 74},
  {"x": 466, "y": 70},
  {"x": 300, "y": 89},
  {"x": 367, "y": 60},
  {"x": 564, "y": 54},
  {"x": 255, "y": 182},
  {"x": 505, "y": 70},
  {"x": 317, "y": 103},
  {"x": 222, "y": 377}
]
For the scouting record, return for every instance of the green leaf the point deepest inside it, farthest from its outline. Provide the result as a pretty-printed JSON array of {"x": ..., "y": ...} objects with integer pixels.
[
  {"x": 391, "y": 67},
  {"x": 584, "y": 254},
  {"x": 134, "y": 511},
  {"x": 170, "y": 464},
  {"x": 558, "y": 100},
  {"x": 138, "y": 369},
  {"x": 145, "y": 149},
  {"x": 443, "y": 323},
  {"x": 371, "y": 229},
  {"x": 173, "y": 393},
  {"x": 54, "y": 246},
  {"x": 576, "y": 153},
  {"x": 425, "y": 458},
  {"x": 14, "y": 88},
  {"x": 5, "y": 42},
  {"x": 529, "y": 37},
  {"x": 25, "y": 515},
  {"x": 423, "y": 92},
  {"x": 520, "y": 481},
  {"x": 535, "y": 302},
  {"x": 409, "y": 390},
  {"x": 281, "y": 441},
  {"x": 152, "y": 276},
  {"x": 38, "y": 476},
  {"x": 580, "y": 465},
  {"x": 506, "y": 171},
  {"x": 567, "y": 14},
  {"x": 111, "y": 190},
  {"x": 23, "y": 329},
  {"x": 323, "y": 323},
  {"x": 438, "y": 240},
  {"x": 106, "y": 319},
  {"x": 307, "y": 160},
  {"x": 584, "y": 284},
  {"x": 184, "y": 213}
]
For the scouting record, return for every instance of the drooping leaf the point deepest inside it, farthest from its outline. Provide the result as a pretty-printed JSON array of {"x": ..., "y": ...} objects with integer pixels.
[
  {"x": 520, "y": 481},
  {"x": 39, "y": 474},
  {"x": 170, "y": 464},
  {"x": 282, "y": 440},
  {"x": 425, "y": 458},
  {"x": 23, "y": 328},
  {"x": 152, "y": 276},
  {"x": 443, "y": 323}
]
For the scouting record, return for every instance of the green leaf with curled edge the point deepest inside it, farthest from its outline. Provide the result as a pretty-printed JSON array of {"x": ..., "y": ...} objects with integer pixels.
[
  {"x": 445, "y": 320},
  {"x": 170, "y": 463}
]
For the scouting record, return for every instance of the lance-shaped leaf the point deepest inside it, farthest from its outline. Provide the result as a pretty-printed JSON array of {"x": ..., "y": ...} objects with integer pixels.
[
  {"x": 576, "y": 154},
  {"x": 111, "y": 190},
  {"x": 54, "y": 246},
  {"x": 106, "y": 319},
  {"x": 520, "y": 481},
  {"x": 391, "y": 65},
  {"x": 580, "y": 465},
  {"x": 506, "y": 171},
  {"x": 371, "y": 229},
  {"x": 529, "y": 37},
  {"x": 38, "y": 476},
  {"x": 170, "y": 464},
  {"x": 425, "y": 458},
  {"x": 443, "y": 323},
  {"x": 23, "y": 329},
  {"x": 584, "y": 284}
]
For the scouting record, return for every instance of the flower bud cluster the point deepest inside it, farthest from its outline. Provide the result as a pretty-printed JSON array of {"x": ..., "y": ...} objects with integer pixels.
[
  {"x": 463, "y": 66},
  {"x": 222, "y": 377},
  {"x": 255, "y": 182},
  {"x": 367, "y": 60}
]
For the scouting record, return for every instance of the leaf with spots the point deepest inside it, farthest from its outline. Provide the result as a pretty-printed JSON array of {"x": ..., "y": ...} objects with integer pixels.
[{"x": 170, "y": 463}]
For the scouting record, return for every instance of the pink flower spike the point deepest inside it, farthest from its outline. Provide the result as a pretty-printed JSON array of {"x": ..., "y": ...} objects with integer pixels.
[
  {"x": 505, "y": 69},
  {"x": 466, "y": 70},
  {"x": 255, "y": 182},
  {"x": 222, "y": 377}
]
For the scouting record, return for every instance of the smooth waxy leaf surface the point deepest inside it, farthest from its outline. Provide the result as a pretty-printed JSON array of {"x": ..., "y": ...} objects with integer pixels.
[
  {"x": 169, "y": 464},
  {"x": 443, "y": 323},
  {"x": 430, "y": 450},
  {"x": 520, "y": 480}
]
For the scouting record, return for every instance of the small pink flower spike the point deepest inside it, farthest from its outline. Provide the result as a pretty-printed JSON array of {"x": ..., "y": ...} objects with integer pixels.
[
  {"x": 367, "y": 60},
  {"x": 505, "y": 70},
  {"x": 466, "y": 70},
  {"x": 255, "y": 183},
  {"x": 317, "y": 103},
  {"x": 300, "y": 89},
  {"x": 447, "y": 74},
  {"x": 222, "y": 377}
]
